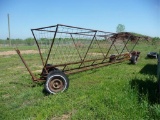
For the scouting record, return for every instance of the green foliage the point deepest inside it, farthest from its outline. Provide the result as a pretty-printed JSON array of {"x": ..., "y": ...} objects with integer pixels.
[
  {"x": 29, "y": 41},
  {"x": 120, "y": 28},
  {"x": 18, "y": 42},
  {"x": 138, "y": 34},
  {"x": 155, "y": 40}
]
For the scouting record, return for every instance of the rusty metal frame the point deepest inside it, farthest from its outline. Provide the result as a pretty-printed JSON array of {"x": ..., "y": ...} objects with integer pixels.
[
  {"x": 31, "y": 74},
  {"x": 119, "y": 57},
  {"x": 109, "y": 49},
  {"x": 38, "y": 47},
  {"x": 135, "y": 44},
  {"x": 88, "y": 48}
]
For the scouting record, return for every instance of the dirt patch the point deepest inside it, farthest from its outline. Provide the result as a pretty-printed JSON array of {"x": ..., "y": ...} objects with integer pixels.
[
  {"x": 37, "y": 71},
  {"x": 63, "y": 117},
  {"x": 22, "y": 52},
  {"x": 95, "y": 54}
]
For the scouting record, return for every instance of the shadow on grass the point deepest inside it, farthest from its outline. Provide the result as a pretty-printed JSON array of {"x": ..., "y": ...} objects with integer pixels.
[
  {"x": 150, "y": 69},
  {"x": 147, "y": 88},
  {"x": 45, "y": 93}
]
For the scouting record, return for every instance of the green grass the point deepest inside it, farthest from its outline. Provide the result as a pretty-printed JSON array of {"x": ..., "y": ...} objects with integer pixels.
[
  {"x": 120, "y": 91},
  {"x": 7, "y": 48}
]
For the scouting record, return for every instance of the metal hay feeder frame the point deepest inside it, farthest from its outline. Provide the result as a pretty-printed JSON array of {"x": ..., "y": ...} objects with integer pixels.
[{"x": 68, "y": 50}]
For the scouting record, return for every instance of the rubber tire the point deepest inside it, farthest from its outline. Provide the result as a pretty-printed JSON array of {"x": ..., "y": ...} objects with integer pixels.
[
  {"x": 44, "y": 72},
  {"x": 134, "y": 59},
  {"x": 56, "y": 75}
]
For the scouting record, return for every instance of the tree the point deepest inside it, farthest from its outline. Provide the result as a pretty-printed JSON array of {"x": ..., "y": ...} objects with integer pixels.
[
  {"x": 155, "y": 40},
  {"x": 29, "y": 41},
  {"x": 120, "y": 28}
]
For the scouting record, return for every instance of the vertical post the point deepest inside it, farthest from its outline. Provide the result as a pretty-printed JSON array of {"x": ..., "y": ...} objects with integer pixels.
[
  {"x": 125, "y": 45},
  {"x": 33, "y": 77},
  {"x": 135, "y": 44},
  {"x": 99, "y": 47},
  {"x": 88, "y": 48},
  {"x": 76, "y": 47},
  {"x": 38, "y": 47},
  {"x": 109, "y": 48},
  {"x": 51, "y": 45},
  {"x": 158, "y": 74},
  {"x": 9, "y": 31}
]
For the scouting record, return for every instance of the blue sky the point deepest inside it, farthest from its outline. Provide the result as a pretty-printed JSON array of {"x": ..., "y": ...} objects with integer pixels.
[{"x": 140, "y": 16}]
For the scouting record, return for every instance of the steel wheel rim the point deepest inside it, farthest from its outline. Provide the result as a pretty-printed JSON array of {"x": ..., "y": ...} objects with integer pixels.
[{"x": 56, "y": 85}]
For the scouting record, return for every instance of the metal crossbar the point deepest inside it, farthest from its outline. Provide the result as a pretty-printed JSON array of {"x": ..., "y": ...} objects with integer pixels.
[
  {"x": 67, "y": 49},
  {"x": 70, "y": 48}
]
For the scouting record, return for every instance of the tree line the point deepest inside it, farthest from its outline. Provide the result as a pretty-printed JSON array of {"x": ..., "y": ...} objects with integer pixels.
[
  {"x": 31, "y": 41},
  {"x": 45, "y": 41},
  {"x": 27, "y": 41}
]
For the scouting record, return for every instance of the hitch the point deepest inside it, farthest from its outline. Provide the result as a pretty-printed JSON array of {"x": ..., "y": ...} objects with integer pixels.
[{"x": 32, "y": 75}]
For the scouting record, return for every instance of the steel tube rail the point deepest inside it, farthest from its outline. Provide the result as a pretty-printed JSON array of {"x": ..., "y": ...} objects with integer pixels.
[
  {"x": 135, "y": 44},
  {"x": 51, "y": 46},
  {"x": 125, "y": 44},
  {"x": 88, "y": 48},
  {"x": 109, "y": 48},
  {"x": 70, "y": 27},
  {"x": 38, "y": 48},
  {"x": 70, "y": 63},
  {"x": 93, "y": 67},
  {"x": 31, "y": 74},
  {"x": 77, "y": 33}
]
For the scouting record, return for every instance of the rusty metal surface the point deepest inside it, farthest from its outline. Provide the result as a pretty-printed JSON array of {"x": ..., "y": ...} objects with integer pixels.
[
  {"x": 74, "y": 49},
  {"x": 33, "y": 77},
  {"x": 56, "y": 85}
]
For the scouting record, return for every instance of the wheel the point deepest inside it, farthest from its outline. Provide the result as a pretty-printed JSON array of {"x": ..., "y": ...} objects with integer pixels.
[
  {"x": 56, "y": 82},
  {"x": 112, "y": 58},
  {"x": 48, "y": 65},
  {"x": 133, "y": 59}
]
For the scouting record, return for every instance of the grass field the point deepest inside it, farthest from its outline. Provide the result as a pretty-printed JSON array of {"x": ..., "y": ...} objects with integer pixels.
[{"x": 116, "y": 92}]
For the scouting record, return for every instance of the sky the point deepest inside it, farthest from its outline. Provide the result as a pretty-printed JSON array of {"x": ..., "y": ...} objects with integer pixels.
[{"x": 139, "y": 16}]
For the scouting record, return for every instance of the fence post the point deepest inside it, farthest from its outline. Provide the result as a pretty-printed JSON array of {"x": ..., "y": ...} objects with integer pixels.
[{"x": 158, "y": 72}]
